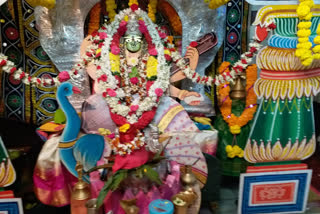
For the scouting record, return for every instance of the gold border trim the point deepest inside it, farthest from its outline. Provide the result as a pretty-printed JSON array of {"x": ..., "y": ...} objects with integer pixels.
[
  {"x": 167, "y": 118},
  {"x": 67, "y": 145}
]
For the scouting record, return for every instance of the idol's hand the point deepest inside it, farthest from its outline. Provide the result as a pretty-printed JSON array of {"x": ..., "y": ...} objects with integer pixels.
[
  {"x": 192, "y": 98},
  {"x": 193, "y": 55}
]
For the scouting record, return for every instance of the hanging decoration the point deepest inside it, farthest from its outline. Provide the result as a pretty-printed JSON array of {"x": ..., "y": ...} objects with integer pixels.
[
  {"x": 235, "y": 123},
  {"x": 304, "y": 50}
]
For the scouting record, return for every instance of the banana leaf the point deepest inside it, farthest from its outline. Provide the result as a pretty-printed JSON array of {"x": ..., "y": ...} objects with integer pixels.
[{"x": 232, "y": 166}]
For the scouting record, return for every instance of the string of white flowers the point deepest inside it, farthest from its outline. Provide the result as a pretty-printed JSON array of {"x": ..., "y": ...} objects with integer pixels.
[{"x": 18, "y": 74}]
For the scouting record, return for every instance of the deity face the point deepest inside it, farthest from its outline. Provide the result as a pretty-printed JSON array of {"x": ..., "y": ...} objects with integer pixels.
[{"x": 133, "y": 43}]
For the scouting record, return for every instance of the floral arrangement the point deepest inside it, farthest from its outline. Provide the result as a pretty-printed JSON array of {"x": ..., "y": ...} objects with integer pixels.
[
  {"x": 214, "y": 4},
  {"x": 304, "y": 52},
  {"x": 111, "y": 7},
  {"x": 235, "y": 123},
  {"x": 152, "y": 9}
]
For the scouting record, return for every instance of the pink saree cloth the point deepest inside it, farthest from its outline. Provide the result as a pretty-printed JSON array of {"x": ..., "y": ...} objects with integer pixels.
[{"x": 52, "y": 181}]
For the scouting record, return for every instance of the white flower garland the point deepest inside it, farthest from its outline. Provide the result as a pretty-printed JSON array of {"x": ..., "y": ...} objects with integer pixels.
[{"x": 18, "y": 74}]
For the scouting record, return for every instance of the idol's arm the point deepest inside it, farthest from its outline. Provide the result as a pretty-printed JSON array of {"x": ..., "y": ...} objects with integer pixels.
[{"x": 193, "y": 56}]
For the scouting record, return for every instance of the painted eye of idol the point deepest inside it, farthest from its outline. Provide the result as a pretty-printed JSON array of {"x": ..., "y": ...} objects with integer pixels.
[{"x": 133, "y": 43}]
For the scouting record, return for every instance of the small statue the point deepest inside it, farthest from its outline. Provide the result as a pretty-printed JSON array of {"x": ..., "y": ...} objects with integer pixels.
[{"x": 153, "y": 143}]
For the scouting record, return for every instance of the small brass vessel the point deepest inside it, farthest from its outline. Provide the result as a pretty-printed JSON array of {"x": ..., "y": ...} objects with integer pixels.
[{"x": 188, "y": 179}]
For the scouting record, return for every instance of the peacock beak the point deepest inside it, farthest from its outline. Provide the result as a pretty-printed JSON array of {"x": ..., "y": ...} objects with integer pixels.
[{"x": 76, "y": 90}]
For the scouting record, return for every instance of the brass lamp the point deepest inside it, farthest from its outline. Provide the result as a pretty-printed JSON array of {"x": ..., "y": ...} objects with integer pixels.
[
  {"x": 80, "y": 193},
  {"x": 81, "y": 190}
]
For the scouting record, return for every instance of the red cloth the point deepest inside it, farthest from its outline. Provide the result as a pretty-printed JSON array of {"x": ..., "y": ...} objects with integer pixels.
[{"x": 135, "y": 159}]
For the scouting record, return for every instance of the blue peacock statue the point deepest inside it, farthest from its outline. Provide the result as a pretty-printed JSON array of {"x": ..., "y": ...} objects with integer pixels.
[{"x": 87, "y": 149}]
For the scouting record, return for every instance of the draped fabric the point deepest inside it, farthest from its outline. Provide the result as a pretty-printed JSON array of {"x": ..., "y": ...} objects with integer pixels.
[{"x": 52, "y": 182}]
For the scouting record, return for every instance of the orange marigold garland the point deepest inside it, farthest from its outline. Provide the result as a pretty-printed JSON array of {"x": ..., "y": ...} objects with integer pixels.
[
  {"x": 235, "y": 123},
  {"x": 172, "y": 16},
  {"x": 94, "y": 21}
]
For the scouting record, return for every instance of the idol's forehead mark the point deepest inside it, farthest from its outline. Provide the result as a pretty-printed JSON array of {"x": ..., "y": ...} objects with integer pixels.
[{"x": 133, "y": 38}]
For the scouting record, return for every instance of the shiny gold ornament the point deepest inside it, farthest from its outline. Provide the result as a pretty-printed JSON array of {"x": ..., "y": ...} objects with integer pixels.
[
  {"x": 238, "y": 91},
  {"x": 180, "y": 205},
  {"x": 91, "y": 206},
  {"x": 129, "y": 206},
  {"x": 81, "y": 190}
]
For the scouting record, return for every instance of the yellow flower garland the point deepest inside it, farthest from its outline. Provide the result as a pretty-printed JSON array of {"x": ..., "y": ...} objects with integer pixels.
[
  {"x": 152, "y": 65},
  {"x": 152, "y": 9},
  {"x": 303, "y": 51},
  {"x": 131, "y": 2},
  {"x": 233, "y": 151},
  {"x": 111, "y": 7},
  {"x": 115, "y": 62}
]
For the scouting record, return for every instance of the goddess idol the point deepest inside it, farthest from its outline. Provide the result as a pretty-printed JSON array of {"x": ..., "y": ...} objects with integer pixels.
[{"x": 130, "y": 61}]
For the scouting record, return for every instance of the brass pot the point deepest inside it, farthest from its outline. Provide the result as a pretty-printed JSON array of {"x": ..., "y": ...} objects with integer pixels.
[
  {"x": 180, "y": 208},
  {"x": 92, "y": 207}
]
